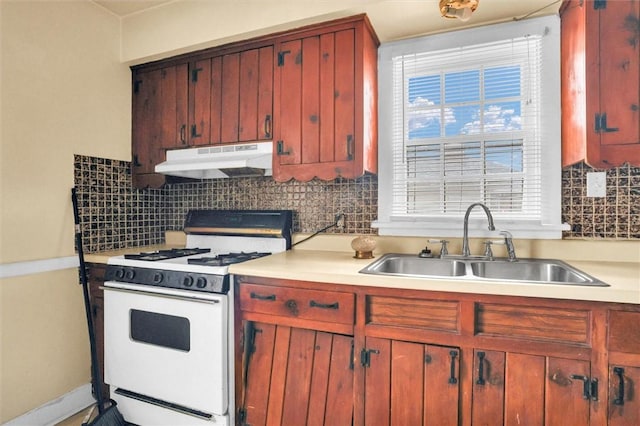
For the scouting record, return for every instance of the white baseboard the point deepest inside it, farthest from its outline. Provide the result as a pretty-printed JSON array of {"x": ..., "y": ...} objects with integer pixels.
[{"x": 56, "y": 410}]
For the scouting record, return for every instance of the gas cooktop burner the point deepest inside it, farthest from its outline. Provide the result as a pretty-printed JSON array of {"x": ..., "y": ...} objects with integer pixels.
[
  {"x": 166, "y": 254},
  {"x": 226, "y": 259}
]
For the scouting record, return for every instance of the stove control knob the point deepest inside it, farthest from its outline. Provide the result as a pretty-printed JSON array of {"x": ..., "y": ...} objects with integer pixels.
[
  {"x": 157, "y": 277},
  {"x": 187, "y": 281},
  {"x": 201, "y": 282},
  {"x": 119, "y": 273},
  {"x": 129, "y": 274}
]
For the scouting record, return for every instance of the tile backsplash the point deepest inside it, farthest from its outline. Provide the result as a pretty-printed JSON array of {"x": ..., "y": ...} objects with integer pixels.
[
  {"x": 114, "y": 215},
  {"x": 615, "y": 216}
]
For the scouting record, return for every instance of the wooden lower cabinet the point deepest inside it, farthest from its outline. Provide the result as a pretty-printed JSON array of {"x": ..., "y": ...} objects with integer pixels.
[
  {"x": 411, "y": 383},
  {"x": 297, "y": 376},
  {"x": 512, "y": 388},
  {"x": 381, "y": 356}
]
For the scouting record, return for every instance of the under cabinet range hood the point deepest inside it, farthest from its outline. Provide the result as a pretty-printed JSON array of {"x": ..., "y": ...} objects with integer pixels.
[{"x": 222, "y": 161}]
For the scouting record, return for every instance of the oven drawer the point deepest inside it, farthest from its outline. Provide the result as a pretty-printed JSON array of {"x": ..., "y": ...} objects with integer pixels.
[{"x": 315, "y": 305}]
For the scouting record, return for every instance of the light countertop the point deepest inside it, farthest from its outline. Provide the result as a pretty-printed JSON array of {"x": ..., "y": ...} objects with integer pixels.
[
  {"x": 342, "y": 268},
  {"x": 329, "y": 258}
]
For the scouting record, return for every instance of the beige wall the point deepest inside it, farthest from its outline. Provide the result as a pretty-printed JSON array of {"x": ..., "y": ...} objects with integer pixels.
[
  {"x": 45, "y": 351},
  {"x": 64, "y": 91}
]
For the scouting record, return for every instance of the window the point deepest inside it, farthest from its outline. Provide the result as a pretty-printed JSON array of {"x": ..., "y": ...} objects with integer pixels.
[{"x": 471, "y": 116}]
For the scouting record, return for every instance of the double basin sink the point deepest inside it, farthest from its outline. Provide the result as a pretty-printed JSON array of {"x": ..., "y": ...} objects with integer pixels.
[{"x": 543, "y": 271}]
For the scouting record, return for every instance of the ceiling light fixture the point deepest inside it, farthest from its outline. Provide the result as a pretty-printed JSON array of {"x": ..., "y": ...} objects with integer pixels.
[{"x": 461, "y": 9}]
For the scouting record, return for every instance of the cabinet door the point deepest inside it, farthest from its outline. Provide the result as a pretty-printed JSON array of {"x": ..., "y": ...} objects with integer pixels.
[
  {"x": 411, "y": 383},
  {"x": 255, "y": 94},
  {"x": 243, "y": 107},
  {"x": 624, "y": 402},
  {"x": 296, "y": 376},
  {"x": 204, "y": 91},
  {"x": 315, "y": 123},
  {"x": 511, "y": 387},
  {"x": 600, "y": 49},
  {"x": 619, "y": 60},
  {"x": 159, "y": 113}
]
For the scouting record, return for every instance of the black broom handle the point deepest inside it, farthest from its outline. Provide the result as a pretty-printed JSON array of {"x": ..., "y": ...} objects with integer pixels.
[{"x": 95, "y": 371}]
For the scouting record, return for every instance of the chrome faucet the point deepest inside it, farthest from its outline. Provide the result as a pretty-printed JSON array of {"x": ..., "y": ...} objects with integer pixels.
[{"x": 465, "y": 233}]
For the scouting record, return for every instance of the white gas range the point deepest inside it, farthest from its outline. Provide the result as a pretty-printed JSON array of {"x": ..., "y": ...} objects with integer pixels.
[{"x": 169, "y": 318}]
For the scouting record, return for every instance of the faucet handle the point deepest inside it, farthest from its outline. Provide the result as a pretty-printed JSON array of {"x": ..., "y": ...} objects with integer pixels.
[
  {"x": 488, "y": 253},
  {"x": 443, "y": 248}
]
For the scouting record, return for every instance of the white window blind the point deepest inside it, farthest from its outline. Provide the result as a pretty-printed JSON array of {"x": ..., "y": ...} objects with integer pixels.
[{"x": 464, "y": 123}]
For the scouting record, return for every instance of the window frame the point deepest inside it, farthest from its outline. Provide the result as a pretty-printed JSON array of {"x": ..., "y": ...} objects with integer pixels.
[{"x": 549, "y": 225}]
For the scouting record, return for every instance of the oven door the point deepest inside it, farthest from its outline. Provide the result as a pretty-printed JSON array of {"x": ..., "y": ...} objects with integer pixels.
[{"x": 168, "y": 346}]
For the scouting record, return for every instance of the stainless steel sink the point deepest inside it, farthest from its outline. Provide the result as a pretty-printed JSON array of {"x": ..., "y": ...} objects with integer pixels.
[
  {"x": 543, "y": 271},
  {"x": 414, "y": 266},
  {"x": 533, "y": 270}
]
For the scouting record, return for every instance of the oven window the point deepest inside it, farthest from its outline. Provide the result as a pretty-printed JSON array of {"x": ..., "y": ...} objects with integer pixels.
[{"x": 159, "y": 329}]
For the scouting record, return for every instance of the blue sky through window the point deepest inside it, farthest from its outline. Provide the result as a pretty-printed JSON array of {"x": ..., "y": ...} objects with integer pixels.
[{"x": 475, "y": 101}]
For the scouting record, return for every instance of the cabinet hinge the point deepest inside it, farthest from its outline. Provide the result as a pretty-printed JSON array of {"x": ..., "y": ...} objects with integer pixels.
[
  {"x": 136, "y": 86},
  {"x": 365, "y": 356},
  {"x": 242, "y": 415},
  {"x": 601, "y": 124},
  {"x": 600, "y": 4},
  {"x": 281, "y": 57},
  {"x": 194, "y": 74}
]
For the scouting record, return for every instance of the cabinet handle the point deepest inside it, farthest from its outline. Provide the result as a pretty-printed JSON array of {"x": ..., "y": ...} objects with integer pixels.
[
  {"x": 183, "y": 134},
  {"x": 452, "y": 377},
  {"x": 136, "y": 161},
  {"x": 267, "y": 126},
  {"x": 194, "y": 131},
  {"x": 590, "y": 387},
  {"x": 271, "y": 297},
  {"x": 480, "y": 380},
  {"x": 620, "y": 398},
  {"x": 315, "y": 304},
  {"x": 280, "y": 149},
  {"x": 350, "y": 147}
]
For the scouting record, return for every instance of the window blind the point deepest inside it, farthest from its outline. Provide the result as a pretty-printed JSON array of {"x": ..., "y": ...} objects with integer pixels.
[{"x": 466, "y": 128}]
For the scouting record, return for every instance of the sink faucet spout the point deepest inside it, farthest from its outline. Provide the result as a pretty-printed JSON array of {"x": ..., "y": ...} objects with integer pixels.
[{"x": 465, "y": 232}]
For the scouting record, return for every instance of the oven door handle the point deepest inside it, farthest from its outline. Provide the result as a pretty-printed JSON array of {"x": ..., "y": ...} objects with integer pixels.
[{"x": 163, "y": 295}]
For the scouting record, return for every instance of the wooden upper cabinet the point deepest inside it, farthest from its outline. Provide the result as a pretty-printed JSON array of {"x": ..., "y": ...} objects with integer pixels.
[
  {"x": 224, "y": 96},
  {"x": 325, "y": 111},
  {"x": 159, "y": 118},
  {"x": 600, "y": 82},
  {"x": 232, "y": 97}
]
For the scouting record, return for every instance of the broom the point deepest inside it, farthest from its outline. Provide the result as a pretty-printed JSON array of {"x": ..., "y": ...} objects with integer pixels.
[{"x": 107, "y": 416}]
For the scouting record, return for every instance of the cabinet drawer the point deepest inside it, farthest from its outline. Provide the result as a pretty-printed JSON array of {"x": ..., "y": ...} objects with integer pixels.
[
  {"x": 316, "y": 305},
  {"x": 624, "y": 334},
  {"x": 426, "y": 314},
  {"x": 570, "y": 326}
]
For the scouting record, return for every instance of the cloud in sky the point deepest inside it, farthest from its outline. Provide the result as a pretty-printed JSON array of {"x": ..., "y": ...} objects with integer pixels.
[{"x": 425, "y": 119}]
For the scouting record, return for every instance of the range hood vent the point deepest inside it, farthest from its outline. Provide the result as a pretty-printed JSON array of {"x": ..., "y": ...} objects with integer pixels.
[{"x": 223, "y": 161}]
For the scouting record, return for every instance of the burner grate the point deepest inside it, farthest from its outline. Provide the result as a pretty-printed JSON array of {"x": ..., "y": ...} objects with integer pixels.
[
  {"x": 166, "y": 254},
  {"x": 226, "y": 259}
]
